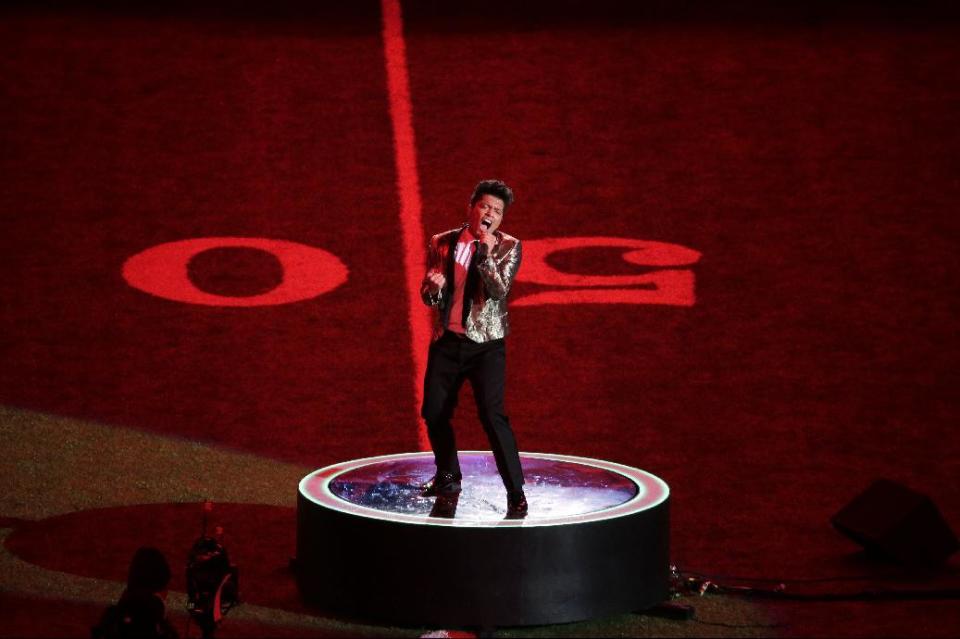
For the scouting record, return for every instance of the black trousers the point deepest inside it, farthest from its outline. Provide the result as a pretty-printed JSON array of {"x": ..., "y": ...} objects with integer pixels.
[{"x": 453, "y": 359}]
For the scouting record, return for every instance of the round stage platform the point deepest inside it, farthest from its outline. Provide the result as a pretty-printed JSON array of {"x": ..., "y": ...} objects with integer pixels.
[{"x": 595, "y": 541}]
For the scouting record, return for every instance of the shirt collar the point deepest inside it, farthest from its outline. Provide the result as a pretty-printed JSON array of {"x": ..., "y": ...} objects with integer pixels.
[{"x": 466, "y": 235}]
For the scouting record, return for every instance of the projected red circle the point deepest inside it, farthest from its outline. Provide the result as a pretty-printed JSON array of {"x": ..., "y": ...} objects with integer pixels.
[{"x": 162, "y": 271}]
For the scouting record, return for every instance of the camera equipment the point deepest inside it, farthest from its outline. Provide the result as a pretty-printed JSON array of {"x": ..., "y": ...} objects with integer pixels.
[{"x": 213, "y": 583}]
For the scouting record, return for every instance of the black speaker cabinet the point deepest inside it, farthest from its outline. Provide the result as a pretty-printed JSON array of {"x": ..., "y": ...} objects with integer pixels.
[{"x": 893, "y": 521}]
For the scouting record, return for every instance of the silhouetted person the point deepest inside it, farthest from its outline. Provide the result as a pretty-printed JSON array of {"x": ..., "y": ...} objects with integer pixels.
[{"x": 141, "y": 612}]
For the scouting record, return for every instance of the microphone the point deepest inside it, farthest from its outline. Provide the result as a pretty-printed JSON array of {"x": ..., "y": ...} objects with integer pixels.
[{"x": 481, "y": 251}]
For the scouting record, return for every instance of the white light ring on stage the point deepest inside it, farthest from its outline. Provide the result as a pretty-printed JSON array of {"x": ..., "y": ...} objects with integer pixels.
[{"x": 651, "y": 492}]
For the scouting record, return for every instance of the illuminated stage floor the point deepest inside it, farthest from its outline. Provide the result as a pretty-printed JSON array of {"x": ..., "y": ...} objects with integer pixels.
[
  {"x": 595, "y": 542},
  {"x": 559, "y": 490}
]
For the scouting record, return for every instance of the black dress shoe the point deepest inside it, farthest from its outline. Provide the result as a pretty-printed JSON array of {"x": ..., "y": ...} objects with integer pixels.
[
  {"x": 443, "y": 483},
  {"x": 516, "y": 505}
]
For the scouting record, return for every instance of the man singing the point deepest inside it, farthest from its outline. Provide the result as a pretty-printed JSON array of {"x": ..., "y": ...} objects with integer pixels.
[{"x": 469, "y": 273}]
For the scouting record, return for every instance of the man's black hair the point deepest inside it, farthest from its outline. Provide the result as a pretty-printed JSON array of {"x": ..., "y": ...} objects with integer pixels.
[
  {"x": 149, "y": 570},
  {"x": 496, "y": 188}
]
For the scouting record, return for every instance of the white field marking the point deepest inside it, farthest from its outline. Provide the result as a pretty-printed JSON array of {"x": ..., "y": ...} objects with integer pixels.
[{"x": 408, "y": 191}]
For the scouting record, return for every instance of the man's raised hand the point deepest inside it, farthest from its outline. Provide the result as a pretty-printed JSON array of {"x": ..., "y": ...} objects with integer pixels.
[
  {"x": 435, "y": 281},
  {"x": 487, "y": 239}
]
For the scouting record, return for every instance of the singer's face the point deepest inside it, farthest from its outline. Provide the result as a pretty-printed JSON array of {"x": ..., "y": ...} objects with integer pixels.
[{"x": 486, "y": 214}]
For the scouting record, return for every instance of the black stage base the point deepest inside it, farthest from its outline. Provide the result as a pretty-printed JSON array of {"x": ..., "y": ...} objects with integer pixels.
[{"x": 595, "y": 543}]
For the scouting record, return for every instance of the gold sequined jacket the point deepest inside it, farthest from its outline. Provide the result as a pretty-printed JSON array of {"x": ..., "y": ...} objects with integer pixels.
[{"x": 485, "y": 291}]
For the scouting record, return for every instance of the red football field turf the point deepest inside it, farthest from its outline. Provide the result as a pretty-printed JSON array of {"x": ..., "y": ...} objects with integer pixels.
[{"x": 808, "y": 156}]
